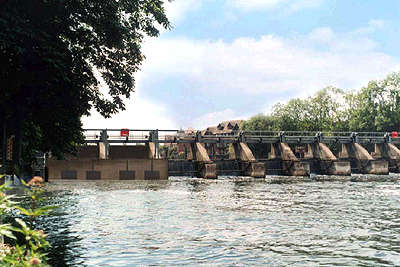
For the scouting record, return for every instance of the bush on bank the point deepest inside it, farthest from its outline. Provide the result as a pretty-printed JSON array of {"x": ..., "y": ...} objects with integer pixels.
[{"x": 30, "y": 250}]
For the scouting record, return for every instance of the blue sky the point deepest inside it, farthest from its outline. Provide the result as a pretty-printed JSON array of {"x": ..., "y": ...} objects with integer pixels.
[{"x": 231, "y": 59}]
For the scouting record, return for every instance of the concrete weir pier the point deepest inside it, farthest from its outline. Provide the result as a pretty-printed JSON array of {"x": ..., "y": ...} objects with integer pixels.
[
  {"x": 390, "y": 153},
  {"x": 290, "y": 164},
  {"x": 323, "y": 161},
  {"x": 249, "y": 165},
  {"x": 205, "y": 167},
  {"x": 361, "y": 161}
]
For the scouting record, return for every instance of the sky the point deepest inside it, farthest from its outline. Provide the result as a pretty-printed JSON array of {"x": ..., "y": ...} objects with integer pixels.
[{"x": 232, "y": 59}]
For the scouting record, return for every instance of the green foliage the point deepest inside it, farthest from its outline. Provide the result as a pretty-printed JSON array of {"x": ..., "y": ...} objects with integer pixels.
[
  {"x": 373, "y": 108},
  {"x": 53, "y": 54},
  {"x": 31, "y": 250},
  {"x": 321, "y": 112},
  {"x": 377, "y": 106},
  {"x": 260, "y": 122},
  {"x": 291, "y": 115}
]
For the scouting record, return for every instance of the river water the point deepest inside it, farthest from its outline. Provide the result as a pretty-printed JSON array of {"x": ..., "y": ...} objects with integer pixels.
[{"x": 225, "y": 222}]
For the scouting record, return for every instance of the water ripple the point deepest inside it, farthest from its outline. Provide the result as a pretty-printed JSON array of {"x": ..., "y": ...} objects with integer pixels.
[{"x": 234, "y": 222}]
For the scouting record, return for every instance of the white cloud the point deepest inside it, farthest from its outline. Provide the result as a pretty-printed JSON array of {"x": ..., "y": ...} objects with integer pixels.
[
  {"x": 323, "y": 35},
  {"x": 376, "y": 23},
  {"x": 247, "y": 69},
  {"x": 292, "y": 5},
  {"x": 255, "y": 4},
  {"x": 139, "y": 114},
  {"x": 373, "y": 25},
  {"x": 304, "y": 4},
  {"x": 262, "y": 66},
  {"x": 177, "y": 9}
]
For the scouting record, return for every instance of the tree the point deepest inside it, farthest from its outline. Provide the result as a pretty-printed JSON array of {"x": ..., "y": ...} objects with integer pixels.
[
  {"x": 260, "y": 122},
  {"x": 263, "y": 124},
  {"x": 373, "y": 108},
  {"x": 292, "y": 116},
  {"x": 327, "y": 110},
  {"x": 53, "y": 54},
  {"x": 377, "y": 106}
]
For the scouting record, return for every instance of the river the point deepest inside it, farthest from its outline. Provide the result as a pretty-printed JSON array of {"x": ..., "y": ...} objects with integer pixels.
[{"x": 224, "y": 222}]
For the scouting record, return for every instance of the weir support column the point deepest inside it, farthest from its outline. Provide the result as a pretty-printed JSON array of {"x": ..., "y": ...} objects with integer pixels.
[
  {"x": 325, "y": 162},
  {"x": 362, "y": 161},
  {"x": 205, "y": 167},
  {"x": 103, "y": 145},
  {"x": 249, "y": 164},
  {"x": 152, "y": 149},
  {"x": 389, "y": 152},
  {"x": 290, "y": 164},
  {"x": 153, "y": 145}
]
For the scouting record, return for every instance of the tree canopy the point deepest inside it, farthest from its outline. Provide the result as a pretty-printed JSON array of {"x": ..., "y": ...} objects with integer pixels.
[
  {"x": 375, "y": 108},
  {"x": 52, "y": 55}
]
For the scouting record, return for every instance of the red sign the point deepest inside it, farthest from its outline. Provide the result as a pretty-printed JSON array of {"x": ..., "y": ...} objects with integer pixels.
[
  {"x": 395, "y": 134},
  {"x": 124, "y": 132}
]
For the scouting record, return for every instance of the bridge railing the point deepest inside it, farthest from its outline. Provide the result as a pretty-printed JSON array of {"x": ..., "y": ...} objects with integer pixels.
[
  {"x": 179, "y": 136},
  {"x": 261, "y": 133},
  {"x": 127, "y": 135}
]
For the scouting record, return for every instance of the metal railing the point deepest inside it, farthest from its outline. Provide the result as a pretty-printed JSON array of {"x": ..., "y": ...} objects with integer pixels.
[{"x": 143, "y": 136}]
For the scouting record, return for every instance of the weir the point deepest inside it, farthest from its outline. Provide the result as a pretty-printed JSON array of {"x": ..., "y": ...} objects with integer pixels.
[
  {"x": 136, "y": 154},
  {"x": 123, "y": 163},
  {"x": 152, "y": 150},
  {"x": 103, "y": 145},
  {"x": 361, "y": 161},
  {"x": 205, "y": 167},
  {"x": 290, "y": 164},
  {"x": 248, "y": 163},
  {"x": 323, "y": 161},
  {"x": 390, "y": 153}
]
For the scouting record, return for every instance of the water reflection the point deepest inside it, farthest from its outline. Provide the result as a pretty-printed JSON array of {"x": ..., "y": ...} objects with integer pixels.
[
  {"x": 225, "y": 222},
  {"x": 65, "y": 242}
]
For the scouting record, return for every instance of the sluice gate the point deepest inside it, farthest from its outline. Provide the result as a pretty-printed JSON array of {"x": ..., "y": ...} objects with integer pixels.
[{"x": 164, "y": 153}]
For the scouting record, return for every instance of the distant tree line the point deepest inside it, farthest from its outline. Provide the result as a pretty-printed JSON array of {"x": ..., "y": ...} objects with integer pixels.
[{"x": 374, "y": 108}]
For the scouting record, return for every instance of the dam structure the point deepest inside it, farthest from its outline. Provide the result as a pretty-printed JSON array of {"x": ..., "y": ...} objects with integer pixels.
[{"x": 134, "y": 154}]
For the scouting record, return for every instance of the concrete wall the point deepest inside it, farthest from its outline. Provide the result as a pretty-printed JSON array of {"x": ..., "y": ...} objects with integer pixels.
[
  {"x": 129, "y": 152},
  {"x": 86, "y": 152},
  {"x": 115, "y": 152},
  {"x": 87, "y": 169}
]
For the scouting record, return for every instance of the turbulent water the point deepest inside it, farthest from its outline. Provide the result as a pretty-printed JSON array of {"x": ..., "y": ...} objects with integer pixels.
[{"x": 228, "y": 222}]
